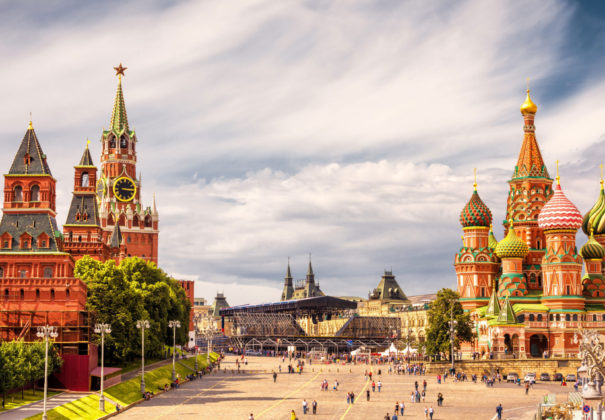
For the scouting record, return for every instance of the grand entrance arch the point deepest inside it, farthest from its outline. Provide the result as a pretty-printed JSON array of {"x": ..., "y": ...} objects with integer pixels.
[{"x": 538, "y": 343}]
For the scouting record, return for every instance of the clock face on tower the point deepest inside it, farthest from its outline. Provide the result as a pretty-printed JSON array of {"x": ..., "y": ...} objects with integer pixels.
[
  {"x": 124, "y": 189},
  {"x": 100, "y": 189}
]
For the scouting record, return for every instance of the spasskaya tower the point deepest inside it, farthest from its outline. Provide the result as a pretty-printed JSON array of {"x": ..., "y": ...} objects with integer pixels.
[{"x": 123, "y": 218}]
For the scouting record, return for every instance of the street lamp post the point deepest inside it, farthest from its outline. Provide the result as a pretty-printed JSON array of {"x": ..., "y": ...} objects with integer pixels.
[
  {"x": 46, "y": 332},
  {"x": 209, "y": 330},
  {"x": 196, "y": 319},
  {"x": 102, "y": 329},
  {"x": 452, "y": 331},
  {"x": 143, "y": 324},
  {"x": 174, "y": 325}
]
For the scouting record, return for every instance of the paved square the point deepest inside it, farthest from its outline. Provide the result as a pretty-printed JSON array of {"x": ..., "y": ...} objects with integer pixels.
[{"x": 234, "y": 396}]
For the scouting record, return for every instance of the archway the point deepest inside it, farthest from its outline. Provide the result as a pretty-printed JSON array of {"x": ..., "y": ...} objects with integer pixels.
[
  {"x": 538, "y": 344},
  {"x": 515, "y": 341},
  {"x": 508, "y": 344}
]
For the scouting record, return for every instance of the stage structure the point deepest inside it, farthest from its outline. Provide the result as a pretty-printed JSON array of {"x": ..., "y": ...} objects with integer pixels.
[{"x": 323, "y": 323}]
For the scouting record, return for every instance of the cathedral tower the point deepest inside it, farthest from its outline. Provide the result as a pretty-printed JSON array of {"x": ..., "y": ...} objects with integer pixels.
[
  {"x": 288, "y": 287},
  {"x": 530, "y": 189},
  {"x": 561, "y": 264},
  {"x": 119, "y": 189},
  {"x": 476, "y": 263}
]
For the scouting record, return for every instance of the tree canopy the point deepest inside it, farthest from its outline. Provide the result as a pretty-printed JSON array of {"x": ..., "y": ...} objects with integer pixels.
[
  {"x": 438, "y": 333},
  {"x": 120, "y": 295}
]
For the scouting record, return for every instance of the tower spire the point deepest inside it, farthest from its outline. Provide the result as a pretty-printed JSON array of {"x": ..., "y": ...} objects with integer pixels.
[
  {"x": 475, "y": 182},
  {"x": 119, "y": 119},
  {"x": 530, "y": 162},
  {"x": 558, "y": 177}
]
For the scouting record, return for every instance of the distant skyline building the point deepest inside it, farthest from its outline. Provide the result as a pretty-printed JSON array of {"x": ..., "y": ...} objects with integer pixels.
[{"x": 303, "y": 288}]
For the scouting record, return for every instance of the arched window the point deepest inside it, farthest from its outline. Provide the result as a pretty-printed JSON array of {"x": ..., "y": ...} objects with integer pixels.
[
  {"x": 552, "y": 318},
  {"x": 112, "y": 142},
  {"x": 135, "y": 221},
  {"x": 148, "y": 222},
  {"x": 18, "y": 193},
  {"x": 521, "y": 318},
  {"x": 122, "y": 220},
  {"x": 575, "y": 317},
  {"x": 123, "y": 142},
  {"x": 35, "y": 193},
  {"x": 48, "y": 272},
  {"x": 22, "y": 294},
  {"x": 37, "y": 293},
  {"x": 1, "y": 272},
  {"x": 66, "y": 293},
  {"x": 52, "y": 294},
  {"x": 531, "y": 317},
  {"x": 567, "y": 317},
  {"x": 85, "y": 182},
  {"x": 539, "y": 317}
]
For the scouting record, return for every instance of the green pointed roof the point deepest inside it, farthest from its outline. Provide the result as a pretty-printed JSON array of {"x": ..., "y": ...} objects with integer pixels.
[
  {"x": 493, "y": 307},
  {"x": 86, "y": 159},
  {"x": 30, "y": 159},
  {"x": 507, "y": 314},
  {"x": 119, "y": 119}
]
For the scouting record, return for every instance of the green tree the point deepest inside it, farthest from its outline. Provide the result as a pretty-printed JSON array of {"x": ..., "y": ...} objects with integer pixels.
[
  {"x": 438, "y": 333},
  {"x": 135, "y": 289}
]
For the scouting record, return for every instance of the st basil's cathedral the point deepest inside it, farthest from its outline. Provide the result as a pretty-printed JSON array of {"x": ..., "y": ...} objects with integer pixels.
[{"x": 526, "y": 293}]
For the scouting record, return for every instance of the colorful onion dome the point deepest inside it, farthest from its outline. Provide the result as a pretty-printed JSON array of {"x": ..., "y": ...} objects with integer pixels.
[
  {"x": 511, "y": 246},
  {"x": 559, "y": 213},
  {"x": 528, "y": 107},
  {"x": 592, "y": 250},
  {"x": 595, "y": 218},
  {"x": 475, "y": 213},
  {"x": 492, "y": 242}
]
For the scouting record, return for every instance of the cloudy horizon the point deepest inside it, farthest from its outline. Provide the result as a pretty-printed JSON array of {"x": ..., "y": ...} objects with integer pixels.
[{"x": 348, "y": 130}]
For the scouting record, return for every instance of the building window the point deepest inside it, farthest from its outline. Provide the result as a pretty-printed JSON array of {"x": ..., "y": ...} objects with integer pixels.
[
  {"x": 5, "y": 294},
  {"x": 575, "y": 317},
  {"x": 5, "y": 245},
  {"x": 531, "y": 317},
  {"x": 84, "y": 182},
  {"x": 147, "y": 221},
  {"x": 539, "y": 317},
  {"x": 18, "y": 193},
  {"x": 594, "y": 317},
  {"x": 567, "y": 317},
  {"x": 123, "y": 143},
  {"x": 521, "y": 318},
  {"x": 22, "y": 294},
  {"x": 1, "y": 272},
  {"x": 128, "y": 239},
  {"x": 23, "y": 274},
  {"x": 35, "y": 193},
  {"x": 112, "y": 142},
  {"x": 66, "y": 293},
  {"x": 568, "y": 290},
  {"x": 37, "y": 294},
  {"x": 48, "y": 272},
  {"x": 52, "y": 294}
]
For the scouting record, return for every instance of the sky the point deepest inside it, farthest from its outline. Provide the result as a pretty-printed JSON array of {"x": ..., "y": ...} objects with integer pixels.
[{"x": 345, "y": 132}]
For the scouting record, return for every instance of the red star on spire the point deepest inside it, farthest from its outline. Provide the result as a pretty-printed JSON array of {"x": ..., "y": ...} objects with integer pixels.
[{"x": 120, "y": 70}]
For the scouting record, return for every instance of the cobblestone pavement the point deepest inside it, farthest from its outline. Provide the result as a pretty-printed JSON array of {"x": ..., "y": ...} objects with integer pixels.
[{"x": 234, "y": 396}]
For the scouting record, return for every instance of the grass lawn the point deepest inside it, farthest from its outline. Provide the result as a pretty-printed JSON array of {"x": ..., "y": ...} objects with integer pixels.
[
  {"x": 14, "y": 400},
  {"x": 84, "y": 408},
  {"x": 130, "y": 391}
]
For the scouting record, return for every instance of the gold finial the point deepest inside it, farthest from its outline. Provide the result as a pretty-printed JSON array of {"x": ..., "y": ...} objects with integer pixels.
[
  {"x": 601, "y": 165},
  {"x": 462, "y": 237},
  {"x": 558, "y": 177},
  {"x": 528, "y": 106},
  {"x": 30, "y": 126},
  {"x": 87, "y": 142},
  {"x": 475, "y": 175},
  {"x": 510, "y": 222}
]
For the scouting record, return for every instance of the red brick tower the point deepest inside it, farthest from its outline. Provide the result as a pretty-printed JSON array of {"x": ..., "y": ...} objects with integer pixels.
[
  {"x": 119, "y": 189},
  {"x": 37, "y": 285},
  {"x": 530, "y": 189},
  {"x": 82, "y": 230}
]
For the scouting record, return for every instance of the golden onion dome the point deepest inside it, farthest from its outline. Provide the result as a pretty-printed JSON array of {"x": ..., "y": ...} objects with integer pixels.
[
  {"x": 492, "y": 241},
  {"x": 528, "y": 107},
  {"x": 511, "y": 246}
]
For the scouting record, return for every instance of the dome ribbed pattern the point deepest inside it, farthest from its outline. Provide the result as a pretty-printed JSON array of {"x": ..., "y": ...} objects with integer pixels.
[
  {"x": 592, "y": 250},
  {"x": 475, "y": 213},
  {"x": 595, "y": 218},
  {"x": 559, "y": 213},
  {"x": 511, "y": 246}
]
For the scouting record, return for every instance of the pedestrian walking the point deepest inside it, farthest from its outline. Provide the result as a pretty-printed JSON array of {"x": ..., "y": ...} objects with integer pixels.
[
  {"x": 348, "y": 398},
  {"x": 314, "y": 405},
  {"x": 402, "y": 407},
  {"x": 352, "y": 398},
  {"x": 304, "y": 406},
  {"x": 526, "y": 388},
  {"x": 499, "y": 411},
  {"x": 293, "y": 415},
  {"x": 423, "y": 394},
  {"x": 274, "y": 376},
  {"x": 373, "y": 386},
  {"x": 394, "y": 416},
  {"x": 431, "y": 412},
  {"x": 387, "y": 417},
  {"x": 379, "y": 385},
  {"x": 426, "y": 413},
  {"x": 367, "y": 395},
  {"x": 251, "y": 417}
]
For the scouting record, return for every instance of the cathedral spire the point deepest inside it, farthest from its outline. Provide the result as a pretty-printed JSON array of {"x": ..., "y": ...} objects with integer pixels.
[
  {"x": 119, "y": 119},
  {"x": 530, "y": 162}
]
